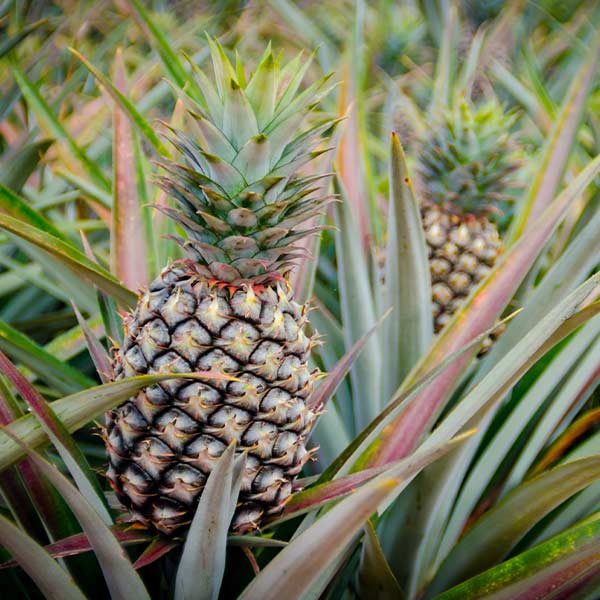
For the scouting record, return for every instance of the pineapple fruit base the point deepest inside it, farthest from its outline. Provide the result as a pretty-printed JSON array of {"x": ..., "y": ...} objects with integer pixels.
[{"x": 163, "y": 443}]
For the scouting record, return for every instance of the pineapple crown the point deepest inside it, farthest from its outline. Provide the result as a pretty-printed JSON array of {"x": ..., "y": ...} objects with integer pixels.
[
  {"x": 469, "y": 161},
  {"x": 242, "y": 200}
]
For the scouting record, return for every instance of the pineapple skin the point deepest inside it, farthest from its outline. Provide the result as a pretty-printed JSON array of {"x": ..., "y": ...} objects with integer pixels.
[
  {"x": 462, "y": 251},
  {"x": 163, "y": 443}
]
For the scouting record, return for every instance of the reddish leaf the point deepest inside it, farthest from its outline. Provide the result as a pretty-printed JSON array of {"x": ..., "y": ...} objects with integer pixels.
[
  {"x": 158, "y": 548},
  {"x": 128, "y": 244},
  {"x": 79, "y": 543}
]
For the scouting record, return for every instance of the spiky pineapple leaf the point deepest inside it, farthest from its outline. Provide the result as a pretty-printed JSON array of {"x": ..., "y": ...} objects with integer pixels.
[
  {"x": 479, "y": 311},
  {"x": 14, "y": 206},
  {"x": 53, "y": 581},
  {"x": 358, "y": 312},
  {"x": 125, "y": 105},
  {"x": 128, "y": 244},
  {"x": 557, "y": 149},
  {"x": 407, "y": 291},
  {"x": 9, "y": 42},
  {"x": 44, "y": 364},
  {"x": 309, "y": 555},
  {"x": 70, "y": 257},
  {"x": 16, "y": 168},
  {"x": 68, "y": 449},
  {"x": 546, "y": 569},
  {"x": 498, "y": 531},
  {"x": 533, "y": 400},
  {"x": 374, "y": 577},
  {"x": 164, "y": 47},
  {"x": 202, "y": 562},
  {"x": 55, "y": 127},
  {"x": 121, "y": 578},
  {"x": 322, "y": 494}
]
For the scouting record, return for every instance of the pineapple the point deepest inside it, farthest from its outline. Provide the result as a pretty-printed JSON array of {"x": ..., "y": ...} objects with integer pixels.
[
  {"x": 467, "y": 181},
  {"x": 227, "y": 308}
]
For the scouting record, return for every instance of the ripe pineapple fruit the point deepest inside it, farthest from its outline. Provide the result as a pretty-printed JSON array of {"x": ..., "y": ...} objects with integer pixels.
[
  {"x": 228, "y": 308},
  {"x": 467, "y": 181}
]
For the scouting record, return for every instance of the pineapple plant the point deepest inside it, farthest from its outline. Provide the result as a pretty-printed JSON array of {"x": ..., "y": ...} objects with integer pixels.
[
  {"x": 378, "y": 518},
  {"x": 244, "y": 205},
  {"x": 467, "y": 174}
]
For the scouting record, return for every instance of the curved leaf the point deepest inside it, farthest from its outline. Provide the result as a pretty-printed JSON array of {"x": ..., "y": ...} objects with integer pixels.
[
  {"x": 202, "y": 562},
  {"x": 535, "y": 574},
  {"x": 53, "y": 581},
  {"x": 72, "y": 258},
  {"x": 499, "y": 529}
]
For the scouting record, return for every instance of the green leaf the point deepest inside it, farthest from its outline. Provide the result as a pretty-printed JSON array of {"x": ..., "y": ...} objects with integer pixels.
[
  {"x": 557, "y": 150},
  {"x": 51, "y": 579},
  {"x": 375, "y": 578},
  {"x": 64, "y": 443},
  {"x": 61, "y": 375},
  {"x": 121, "y": 578},
  {"x": 310, "y": 554},
  {"x": 98, "y": 354},
  {"x": 72, "y": 258},
  {"x": 538, "y": 572},
  {"x": 16, "y": 168},
  {"x": 409, "y": 331},
  {"x": 292, "y": 572},
  {"x": 511, "y": 429},
  {"x": 14, "y": 206},
  {"x": 498, "y": 530},
  {"x": 480, "y": 311},
  {"x": 202, "y": 561},
  {"x": 44, "y": 113},
  {"x": 441, "y": 96},
  {"x": 358, "y": 313},
  {"x": 8, "y": 43},
  {"x": 159, "y": 42},
  {"x": 126, "y": 107}
]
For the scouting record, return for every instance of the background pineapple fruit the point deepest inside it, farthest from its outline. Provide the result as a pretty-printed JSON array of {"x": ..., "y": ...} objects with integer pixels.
[
  {"x": 466, "y": 174},
  {"x": 243, "y": 206}
]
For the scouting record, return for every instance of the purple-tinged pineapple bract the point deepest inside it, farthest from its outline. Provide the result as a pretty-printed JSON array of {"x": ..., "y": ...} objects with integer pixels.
[
  {"x": 467, "y": 167},
  {"x": 243, "y": 204}
]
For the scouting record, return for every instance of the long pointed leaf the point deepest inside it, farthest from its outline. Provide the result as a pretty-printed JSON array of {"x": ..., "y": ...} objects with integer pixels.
[
  {"x": 71, "y": 258},
  {"x": 52, "y": 580},
  {"x": 409, "y": 331}
]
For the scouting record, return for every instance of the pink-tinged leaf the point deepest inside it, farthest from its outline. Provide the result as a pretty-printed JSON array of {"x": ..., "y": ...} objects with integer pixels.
[
  {"x": 479, "y": 313},
  {"x": 403, "y": 470},
  {"x": 14, "y": 481},
  {"x": 70, "y": 257},
  {"x": 558, "y": 148},
  {"x": 121, "y": 578},
  {"x": 53, "y": 581},
  {"x": 64, "y": 443},
  {"x": 311, "y": 553},
  {"x": 99, "y": 355},
  {"x": 157, "y": 549},
  {"x": 349, "y": 163},
  {"x": 79, "y": 544},
  {"x": 551, "y": 570},
  {"x": 128, "y": 244},
  {"x": 328, "y": 387}
]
